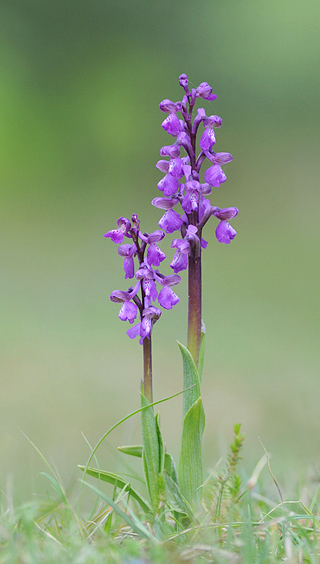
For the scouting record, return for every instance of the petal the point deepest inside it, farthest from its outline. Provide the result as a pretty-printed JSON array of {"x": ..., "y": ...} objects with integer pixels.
[
  {"x": 205, "y": 91},
  {"x": 215, "y": 176},
  {"x": 128, "y": 312},
  {"x": 127, "y": 250},
  {"x": 225, "y": 233},
  {"x": 134, "y": 331},
  {"x": 190, "y": 202},
  {"x": 171, "y": 125},
  {"x": 116, "y": 235},
  {"x": 226, "y": 213},
  {"x": 207, "y": 139},
  {"x": 175, "y": 167},
  {"x": 179, "y": 262},
  {"x": 164, "y": 203},
  {"x": 213, "y": 121},
  {"x": 219, "y": 158},
  {"x": 170, "y": 151},
  {"x": 156, "y": 236},
  {"x": 167, "y": 298},
  {"x": 170, "y": 221},
  {"x": 167, "y": 106},
  {"x": 163, "y": 165},
  {"x": 128, "y": 266},
  {"x": 155, "y": 255},
  {"x": 181, "y": 245},
  {"x": 168, "y": 185}
]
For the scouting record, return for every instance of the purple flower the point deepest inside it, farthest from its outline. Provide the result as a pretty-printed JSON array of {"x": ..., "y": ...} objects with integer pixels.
[
  {"x": 191, "y": 198},
  {"x": 205, "y": 91},
  {"x": 116, "y": 235},
  {"x": 146, "y": 274},
  {"x": 128, "y": 252},
  {"x": 183, "y": 81},
  {"x": 170, "y": 221},
  {"x": 171, "y": 124},
  {"x": 128, "y": 310},
  {"x": 149, "y": 316},
  {"x": 225, "y": 232},
  {"x": 167, "y": 298}
]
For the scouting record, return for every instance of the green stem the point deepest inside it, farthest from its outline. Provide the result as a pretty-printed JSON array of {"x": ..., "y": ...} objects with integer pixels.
[
  {"x": 147, "y": 369},
  {"x": 194, "y": 303}
]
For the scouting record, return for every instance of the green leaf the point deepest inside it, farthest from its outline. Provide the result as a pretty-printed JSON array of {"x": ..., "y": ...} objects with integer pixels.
[
  {"x": 174, "y": 494},
  {"x": 151, "y": 451},
  {"x": 201, "y": 352},
  {"x": 160, "y": 443},
  {"x": 118, "y": 482},
  {"x": 190, "y": 463},
  {"x": 134, "y": 450},
  {"x": 135, "y": 525},
  {"x": 190, "y": 378},
  {"x": 170, "y": 467},
  {"x": 55, "y": 485}
]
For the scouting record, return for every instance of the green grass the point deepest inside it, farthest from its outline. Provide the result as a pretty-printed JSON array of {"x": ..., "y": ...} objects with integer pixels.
[{"x": 239, "y": 520}]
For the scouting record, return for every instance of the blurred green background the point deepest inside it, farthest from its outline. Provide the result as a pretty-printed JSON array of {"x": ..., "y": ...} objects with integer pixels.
[{"x": 80, "y": 135}]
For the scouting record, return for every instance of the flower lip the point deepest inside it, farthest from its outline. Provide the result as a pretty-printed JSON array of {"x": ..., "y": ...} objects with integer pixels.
[{"x": 225, "y": 232}]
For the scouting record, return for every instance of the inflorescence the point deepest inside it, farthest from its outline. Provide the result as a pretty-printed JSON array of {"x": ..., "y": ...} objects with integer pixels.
[{"x": 181, "y": 186}]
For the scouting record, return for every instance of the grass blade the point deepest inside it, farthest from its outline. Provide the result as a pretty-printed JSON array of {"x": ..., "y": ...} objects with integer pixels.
[{"x": 118, "y": 482}]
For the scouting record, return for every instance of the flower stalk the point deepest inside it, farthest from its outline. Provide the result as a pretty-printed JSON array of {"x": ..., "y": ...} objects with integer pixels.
[{"x": 194, "y": 306}]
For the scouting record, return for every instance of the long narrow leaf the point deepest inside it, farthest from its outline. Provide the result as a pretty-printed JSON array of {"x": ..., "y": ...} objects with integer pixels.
[
  {"x": 190, "y": 463},
  {"x": 118, "y": 482},
  {"x": 134, "y": 450},
  {"x": 202, "y": 350},
  {"x": 137, "y": 527},
  {"x": 190, "y": 378},
  {"x": 174, "y": 493},
  {"x": 113, "y": 428},
  {"x": 151, "y": 451},
  {"x": 170, "y": 467},
  {"x": 160, "y": 443}
]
